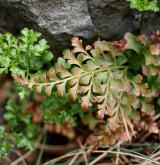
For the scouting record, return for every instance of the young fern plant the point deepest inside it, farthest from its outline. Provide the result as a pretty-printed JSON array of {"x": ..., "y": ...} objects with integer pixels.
[
  {"x": 100, "y": 75},
  {"x": 25, "y": 54},
  {"x": 18, "y": 130}
]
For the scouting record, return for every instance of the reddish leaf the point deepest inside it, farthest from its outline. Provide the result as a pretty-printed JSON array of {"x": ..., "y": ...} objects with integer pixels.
[
  {"x": 85, "y": 102},
  {"x": 48, "y": 90},
  {"x": 105, "y": 46},
  {"x": 155, "y": 49},
  {"x": 101, "y": 113},
  {"x": 39, "y": 89},
  {"x": 52, "y": 74},
  {"x": 77, "y": 45},
  {"x": 76, "y": 71},
  {"x": 85, "y": 80},
  {"x": 83, "y": 89},
  {"x": 73, "y": 92},
  {"x": 61, "y": 89},
  {"x": 44, "y": 77},
  {"x": 63, "y": 72},
  {"x": 68, "y": 55}
]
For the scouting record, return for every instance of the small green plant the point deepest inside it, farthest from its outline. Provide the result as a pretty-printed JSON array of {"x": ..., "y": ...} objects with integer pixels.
[
  {"x": 23, "y": 55},
  {"x": 144, "y": 5},
  {"x": 60, "y": 111},
  {"x": 18, "y": 131}
]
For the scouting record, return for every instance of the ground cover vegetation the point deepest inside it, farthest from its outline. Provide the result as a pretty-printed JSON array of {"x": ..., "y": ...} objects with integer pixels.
[{"x": 103, "y": 94}]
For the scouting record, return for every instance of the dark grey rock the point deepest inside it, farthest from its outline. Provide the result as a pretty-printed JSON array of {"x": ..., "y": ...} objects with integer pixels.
[
  {"x": 58, "y": 20},
  {"x": 111, "y": 18}
]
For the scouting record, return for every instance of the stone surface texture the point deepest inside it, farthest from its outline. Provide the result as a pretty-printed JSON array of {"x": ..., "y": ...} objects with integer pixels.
[{"x": 58, "y": 20}]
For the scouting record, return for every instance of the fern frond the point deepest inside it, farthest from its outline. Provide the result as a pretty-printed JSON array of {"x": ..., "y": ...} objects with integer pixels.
[
  {"x": 95, "y": 77},
  {"x": 25, "y": 54},
  {"x": 149, "y": 50}
]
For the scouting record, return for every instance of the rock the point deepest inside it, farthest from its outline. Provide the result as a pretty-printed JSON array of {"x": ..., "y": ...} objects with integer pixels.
[
  {"x": 112, "y": 18},
  {"x": 58, "y": 20}
]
